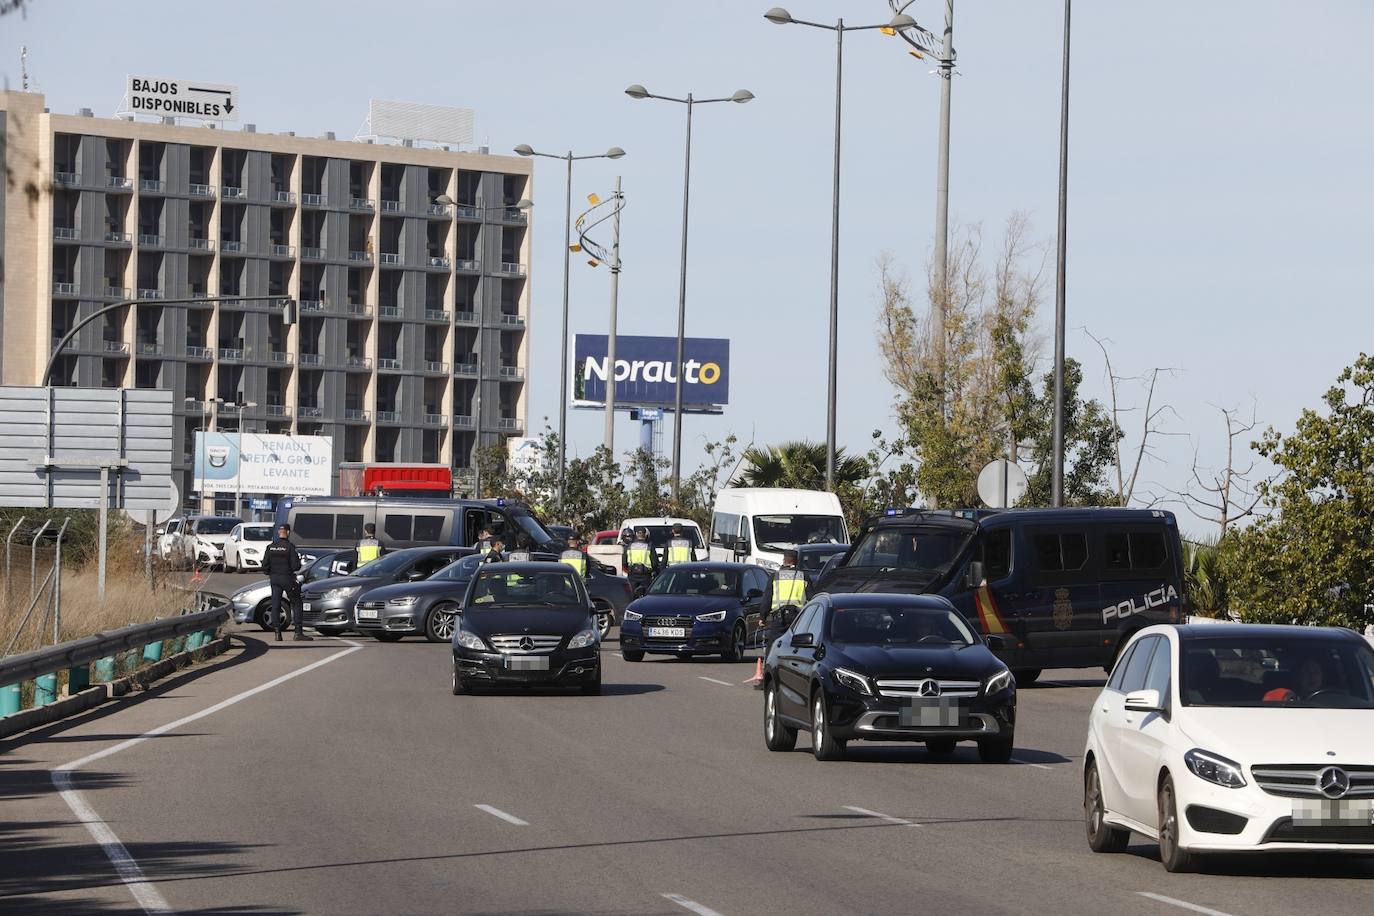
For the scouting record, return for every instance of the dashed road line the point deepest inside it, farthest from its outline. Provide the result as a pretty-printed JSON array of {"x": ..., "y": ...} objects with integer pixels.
[
  {"x": 714, "y": 681},
  {"x": 691, "y": 905},
  {"x": 883, "y": 817},
  {"x": 497, "y": 812},
  {"x": 1182, "y": 904},
  {"x": 1027, "y": 763}
]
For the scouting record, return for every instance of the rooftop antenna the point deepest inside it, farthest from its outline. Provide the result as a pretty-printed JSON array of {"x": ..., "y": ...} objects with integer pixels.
[{"x": 24, "y": 65}]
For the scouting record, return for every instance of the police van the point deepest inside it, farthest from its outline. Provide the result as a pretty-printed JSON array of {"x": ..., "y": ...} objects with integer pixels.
[
  {"x": 337, "y": 521},
  {"x": 1062, "y": 588}
]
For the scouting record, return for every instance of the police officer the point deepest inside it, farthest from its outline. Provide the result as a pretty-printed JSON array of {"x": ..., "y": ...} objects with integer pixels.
[
  {"x": 679, "y": 547},
  {"x": 369, "y": 548},
  {"x": 521, "y": 553},
  {"x": 496, "y": 552},
  {"x": 575, "y": 556},
  {"x": 281, "y": 562},
  {"x": 641, "y": 562},
  {"x": 789, "y": 593}
]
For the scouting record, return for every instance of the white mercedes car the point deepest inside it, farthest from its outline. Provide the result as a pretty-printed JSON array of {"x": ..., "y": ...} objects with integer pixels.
[
  {"x": 1234, "y": 738},
  {"x": 245, "y": 544}
]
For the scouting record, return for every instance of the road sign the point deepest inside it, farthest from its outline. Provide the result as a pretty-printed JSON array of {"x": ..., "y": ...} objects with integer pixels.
[
  {"x": 260, "y": 503},
  {"x": 1001, "y": 484},
  {"x": 181, "y": 98}
]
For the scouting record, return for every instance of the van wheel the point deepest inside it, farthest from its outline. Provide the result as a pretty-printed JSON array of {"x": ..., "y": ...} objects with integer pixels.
[{"x": 1026, "y": 676}]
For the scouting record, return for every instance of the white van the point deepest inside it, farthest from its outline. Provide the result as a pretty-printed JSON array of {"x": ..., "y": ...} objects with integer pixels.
[{"x": 756, "y": 524}]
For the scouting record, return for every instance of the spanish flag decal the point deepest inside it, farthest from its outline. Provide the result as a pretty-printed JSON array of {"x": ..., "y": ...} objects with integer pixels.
[{"x": 988, "y": 615}]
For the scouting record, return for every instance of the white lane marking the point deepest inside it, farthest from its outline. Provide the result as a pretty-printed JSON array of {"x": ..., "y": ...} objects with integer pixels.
[
  {"x": 1182, "y": 904},
  {"x": 714, "y": 681},
  {"x": 690, "y": 905},
  {"x": 884, "y": 817},
  {"x": 1027, "y": 763},
  {"x": 497, "y": 812},
  {"x": 143, "y": 891}
]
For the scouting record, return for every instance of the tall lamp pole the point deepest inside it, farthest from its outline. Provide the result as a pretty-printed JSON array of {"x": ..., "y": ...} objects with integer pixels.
[
  {"x": 639, "y": 92},
  {"x": 614, "y": 152},
  {"x": 1057, "y": 474},
  {"x": 779, "y": 16}
]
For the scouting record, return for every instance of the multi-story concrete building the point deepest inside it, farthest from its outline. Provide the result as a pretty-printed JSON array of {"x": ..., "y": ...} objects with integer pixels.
[{"x": 412, "y": 313}]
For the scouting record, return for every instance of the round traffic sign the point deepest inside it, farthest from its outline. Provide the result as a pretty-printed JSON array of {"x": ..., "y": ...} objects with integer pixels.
[{"x": 1001, "y": 484}]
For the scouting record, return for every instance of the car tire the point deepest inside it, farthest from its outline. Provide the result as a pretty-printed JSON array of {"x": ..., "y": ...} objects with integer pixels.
[
  {"x": 458, "y": 688},
  {"x": 736, "y": 651},
  {"x": 1102, "y": 836},
  {"x": 1175, "y": 859},
  {"x": 631, "y": 656},
  {"x": 1026, "y": 676},
  {"x": 824, "y": 745},
  {"x": 263, "y": 616},
  {"x": 996, "y": 750},
  {"x": 776, "y": 736},
  {"x": 441, "y": 622},
  {"x": 387, "y": 637},
  {"x": 593, "y": 689},
  {"x": 940, "y": 747},
  {"x": 228, "y": 568}
]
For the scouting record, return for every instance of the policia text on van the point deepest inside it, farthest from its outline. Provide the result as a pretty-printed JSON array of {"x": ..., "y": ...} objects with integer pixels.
[{"x": 1066, "y": 586}]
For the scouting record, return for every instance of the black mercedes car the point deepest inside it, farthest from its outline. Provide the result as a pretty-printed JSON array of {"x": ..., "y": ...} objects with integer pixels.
[
  {"x": 328, "y": 605},
  {"x": 526, "y": 625},
  {"x": 883, "y": 667}
]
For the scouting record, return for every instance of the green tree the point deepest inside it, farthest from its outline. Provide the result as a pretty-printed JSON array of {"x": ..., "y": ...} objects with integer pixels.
[
  {"x": 799, "y": 464},
  {"x": 1311, "y": 559},
  {"x": 1090, "y": 437}
]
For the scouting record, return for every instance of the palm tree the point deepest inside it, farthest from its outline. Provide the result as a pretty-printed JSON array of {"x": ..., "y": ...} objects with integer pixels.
[{"x": 798, "y": 464}]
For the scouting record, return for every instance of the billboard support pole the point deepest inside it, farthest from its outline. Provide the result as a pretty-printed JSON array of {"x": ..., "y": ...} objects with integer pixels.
[
  {"x": 148, "y": 544},
  {"x": 103, "y": 536},
  {"x": 610, "y": 340}
]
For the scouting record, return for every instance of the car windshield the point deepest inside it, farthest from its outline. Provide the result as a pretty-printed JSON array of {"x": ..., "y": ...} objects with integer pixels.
[
  {"x": 496, "y": 588},
  {"x": 458, "y": 570},
  {"x": 320, "y": 568},
  {"x": 217, "y": 525},
  {"x": 689, "y": 581},
  {"x": 660, "y": 535},
  {"x": 899, "y": 626},
  {"x": 1275, "y": 671},
  {"x": 813, "y": 560},
  {"x": 530, "y": 526},
  {"x": 388, "y": 565},
  {"x": 928, "y": 551},
  {"x": 258, "y": 534},
  {"x": 777, "y": 532}
]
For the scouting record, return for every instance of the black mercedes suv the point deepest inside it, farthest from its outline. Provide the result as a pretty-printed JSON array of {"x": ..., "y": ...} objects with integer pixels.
[{"x": 885, "y": 667}]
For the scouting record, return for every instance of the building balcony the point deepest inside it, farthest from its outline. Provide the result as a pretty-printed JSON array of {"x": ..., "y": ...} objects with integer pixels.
[
  {"x": 358, "y": 364},
  {"x": 465, "y": 317},
  {"x": 118, "y": 347},
  {"x": 201, "y": 244},
  {"x": 391, "y": 206},
  {"x": 438, "y": 316},
  {"x": 511, "y": 269},
  {"x": 231, "y": 246},
  {"x": 468, "y": 265},
  {"x": 515, "y": 215},
  {"x": 309, "y": 199},
  {"x": 440, "y": 210},
  {"x": 310, "y": 359},
  {"x": 66, "y": 233},
  {"x": 388, "y": 257},
  {"x": 510, "y": 373},
  {"x": 466, "y": 211},
  {"x": 64, "y": 290},
  {"x": 67, "y": 179},
  {"x": 312, "y": 305},
  {"x": 467, "y": 368},
  {"x": 203, "y": 191},
  {"x": 284, "y": 197},
  {"x": 309, "y": 412},
  {"x": 278, "y": 410},
  {"x": 152, "y": 186},
  {"x": 276, "y": 250},
  {"x": 511, "y": 321},
  {"x": 363, "y": 256},
  {"x": 280, "y": 357},
  {"x": 146, "y": 240},
  {"x": 115, "y": 237},
  {"x": 191, "y": 405},
  {"x": 463, "y": 421},
  {"x": 434, "y": 368},
  {"x": 149, "y": 293},
  {"x": 507, "y": 424},
  {"x": 232, "y": 192},
  {"x": 149, "y": 348},
  {"x": 389, "y": 311},
  {"x": 387, "y": 364},
  {"x": 436, "y": 263},
  {"x": 200, "y": 295},
  {"x": 391, "y": 417},
  {"x": 118, "y": 183},
  {"x": 355, "y": 415},
  {"x": 231, "y": 354},
  {"x": 232, "y": 303},
  {"x": 116, "y": 292},
  {"x": 204, "y": 354},
  {"x": 358, "y": 310},
  {"x": 363, "y": 204},
  {"x": 310, "y": 253},
  {"x": 435, "y": 419}
]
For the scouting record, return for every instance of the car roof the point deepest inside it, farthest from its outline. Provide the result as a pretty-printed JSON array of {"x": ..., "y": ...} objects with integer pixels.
[
  {"x": 885, "y": 599},
  {"x": 1262, "y": 631},
  {"x": 533, "y": 566},
  {"x": 717, "y": 565},
  {"x": 658, "y": 520}
]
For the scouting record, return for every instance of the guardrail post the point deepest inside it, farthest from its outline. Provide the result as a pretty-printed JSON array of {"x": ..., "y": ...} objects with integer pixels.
[
  {"x": 153, "y": 652},
  {"x": 105, "y": 669},
  {"x": 78, "y": 679},
  {"x": 9, "y": 699},
  {"x": 45, "y": 690}
]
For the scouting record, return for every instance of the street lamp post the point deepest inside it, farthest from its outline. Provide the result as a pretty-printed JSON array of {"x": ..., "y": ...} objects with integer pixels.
[
  {"x": 523, "y": 203},
  {"x": 238, "y": 456},
  {"x": 779, "y": 16},
  {"x": 639, "y": 92},
  {"x": 614, "y": 152},
  {"x": 1057, "y": 469}
]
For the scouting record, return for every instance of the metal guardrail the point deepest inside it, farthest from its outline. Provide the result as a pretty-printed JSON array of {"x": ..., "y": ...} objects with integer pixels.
[{"x": 88, "y": 649}]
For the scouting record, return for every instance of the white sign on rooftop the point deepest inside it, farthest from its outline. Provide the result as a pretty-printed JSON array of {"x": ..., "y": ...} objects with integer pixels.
[{"x": 181, "y": 98}]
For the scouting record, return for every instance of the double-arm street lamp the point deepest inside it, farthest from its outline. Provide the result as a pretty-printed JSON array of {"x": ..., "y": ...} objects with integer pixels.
[
  {"x": 614, "y": 152},
  {"x": 780, "y": 16},
  {"x": 639, "y": 92}
]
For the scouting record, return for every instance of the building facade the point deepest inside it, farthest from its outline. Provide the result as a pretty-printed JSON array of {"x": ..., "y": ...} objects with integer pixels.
[{"x": 412, "y": 315}]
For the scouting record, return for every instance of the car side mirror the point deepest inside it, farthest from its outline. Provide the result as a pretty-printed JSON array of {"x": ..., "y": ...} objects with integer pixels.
[
  {"x": 1144, "y": 701},
  {"x": 416, "y": 575},
  {"x": 994, "y": 641},
  {"x": 803, "y": 639},
  {"x": 975, "y": 575}
]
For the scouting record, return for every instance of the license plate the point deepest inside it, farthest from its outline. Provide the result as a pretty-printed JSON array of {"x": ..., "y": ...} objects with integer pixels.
[
  {"x": 367, "y": 614},
  {"x": 527, "y": 663},
  {"x": 666, "y": 632},
  {"x": 1325, "y": 812},
  {"x": 931, "y": 712},
  {"x": 305, "y": 607}
]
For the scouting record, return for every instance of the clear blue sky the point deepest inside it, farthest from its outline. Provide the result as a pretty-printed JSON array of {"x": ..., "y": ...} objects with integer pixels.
[{"x": 1219, "y": 176}]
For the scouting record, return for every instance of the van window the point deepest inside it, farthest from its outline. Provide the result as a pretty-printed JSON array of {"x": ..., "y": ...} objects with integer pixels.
[
  {"x": 997, "y": 554},
  {"x": 1065, "y": 551},
  {"x": 348, "y": 527},
  {"x": 1143, "y": 550},
  {"x": 428, "y": 527},
  {"x": 314, "y": 526},
  {"x": 723, "y": 524},
  {"x": 397, "y": 527}
]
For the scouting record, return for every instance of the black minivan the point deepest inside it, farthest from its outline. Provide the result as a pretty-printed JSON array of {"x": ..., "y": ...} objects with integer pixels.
[
  {"x": 1065, "y": 587},
  {"x": 337, "y": 521}
]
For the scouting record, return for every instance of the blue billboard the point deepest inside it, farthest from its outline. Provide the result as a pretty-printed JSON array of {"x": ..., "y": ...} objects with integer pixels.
[{"x": 646, "y": 372}]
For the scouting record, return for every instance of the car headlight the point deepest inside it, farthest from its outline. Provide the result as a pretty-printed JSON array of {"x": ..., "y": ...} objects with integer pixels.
[
  {"x": 344, "y": 591},
  {"x": 853, "y": 680},
  {"x": 633, "y": 615},
  {"x": 1214, "y": 768},
  {"x": 470, "y": 641},
  {"x": 998, "y": 682},
  {"x": 713, "y": 617},
  {"x": 583, "y": 640},
  {"x": 402, "y": 601}
]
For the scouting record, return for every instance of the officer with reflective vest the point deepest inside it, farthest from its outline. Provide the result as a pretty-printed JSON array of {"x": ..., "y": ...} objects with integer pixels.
[
  {"x": 789, "y": 591},
  {"x": 679, "y": 547},
  {"x": 575, "y": 556},
  {"x": 521, "y": 553},
  {"x": 369, "y": 548},
  {"x": 641, "y": 562}
]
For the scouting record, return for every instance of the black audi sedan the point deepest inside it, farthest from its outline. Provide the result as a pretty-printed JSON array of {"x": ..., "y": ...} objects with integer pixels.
[
  {"x": 696, "y": 609},
  {"x": 886, "y": 667},
  {"x": 328, "y": 605},
  {"x": 526, "y": 625}
]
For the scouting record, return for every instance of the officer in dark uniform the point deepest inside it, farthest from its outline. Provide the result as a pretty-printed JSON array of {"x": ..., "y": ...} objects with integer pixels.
[
  {"x": 497, "y": 552},
  {"x": 281, "y": 562}
]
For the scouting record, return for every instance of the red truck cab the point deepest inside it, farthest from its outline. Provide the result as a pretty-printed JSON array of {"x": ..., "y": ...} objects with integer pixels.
[{"x": 421, "y": 481}]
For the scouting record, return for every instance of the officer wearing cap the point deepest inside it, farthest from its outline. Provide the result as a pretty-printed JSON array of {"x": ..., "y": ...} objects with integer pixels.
[
  {"x": 369, "y": 548},
  {"x": 679, "y": 547},
  {"x": 575, "y": 556},
  {"x": 641, "y": 562}
]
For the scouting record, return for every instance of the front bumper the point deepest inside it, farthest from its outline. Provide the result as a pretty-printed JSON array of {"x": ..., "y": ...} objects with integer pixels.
[
  {"x": 245, "y": 611},
  {"x": 1268, "y": 821},
  {"x": 389, "y": 619},
  {"x": 703, "y": 638},
  {"x": 853, "y": 716},
  {"x": 565, "y": 668},
  {"x": 327, "y": 612},
  {"x": 249, "y": 561}
]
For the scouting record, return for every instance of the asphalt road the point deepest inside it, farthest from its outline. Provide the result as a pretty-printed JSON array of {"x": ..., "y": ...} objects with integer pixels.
[{"x": 351, "y": 781}]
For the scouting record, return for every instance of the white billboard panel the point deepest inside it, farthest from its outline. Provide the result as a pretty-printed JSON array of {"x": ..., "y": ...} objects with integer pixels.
[
  {"x": 229, "y": 462},
  {"x": 418, "y": 121}
]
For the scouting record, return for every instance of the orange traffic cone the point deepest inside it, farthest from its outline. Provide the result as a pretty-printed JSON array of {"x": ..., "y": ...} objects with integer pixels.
[{"x": 757, "y": 679}]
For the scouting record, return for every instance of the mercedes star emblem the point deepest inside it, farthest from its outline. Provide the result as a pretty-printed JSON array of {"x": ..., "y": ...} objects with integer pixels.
[
  {"x": 526, "y": 644},
  {"x": 929, "y": 688},
  {"x": 1334, "y": 782}
]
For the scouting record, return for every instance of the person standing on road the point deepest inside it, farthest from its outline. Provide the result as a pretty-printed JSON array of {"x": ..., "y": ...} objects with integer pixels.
[
  {"x": 369, "y": 548},
  {"x": 576, "y": 555},
  {"x": 789, "y": 593},
  {"x": 679, "y": 547},
  {"x": 281, "y": 561},
  {"x": 641, "y": 562}
]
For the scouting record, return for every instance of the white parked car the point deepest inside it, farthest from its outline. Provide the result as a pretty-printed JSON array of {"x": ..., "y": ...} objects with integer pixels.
[
  {"x": 1234, "y": 738},
  {"x": 203, "y": 537},
  {"x": 169, "y": 540},
  {"x": 244, "y": 546}
]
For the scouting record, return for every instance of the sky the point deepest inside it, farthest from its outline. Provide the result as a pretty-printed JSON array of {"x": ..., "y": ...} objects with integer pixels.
[{"x": 1219, "y": 183}]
